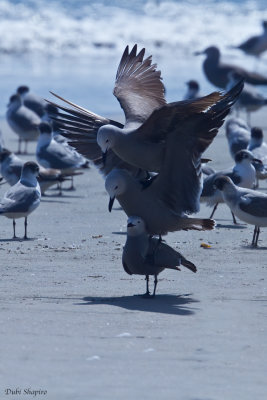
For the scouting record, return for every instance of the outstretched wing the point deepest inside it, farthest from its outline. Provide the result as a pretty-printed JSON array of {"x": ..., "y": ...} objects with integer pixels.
[
  {"x": 179, "y": 182},
  {"x": 80, "y": 127},
  {"x": 138, "y": 86}
]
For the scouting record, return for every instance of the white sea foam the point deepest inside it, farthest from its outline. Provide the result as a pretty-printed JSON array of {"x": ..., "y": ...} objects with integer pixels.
[{"x": 58, "y": 28}]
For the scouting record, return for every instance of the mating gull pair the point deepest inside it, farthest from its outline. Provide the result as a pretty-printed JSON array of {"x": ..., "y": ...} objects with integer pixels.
[{"x": 168, "y": 139}]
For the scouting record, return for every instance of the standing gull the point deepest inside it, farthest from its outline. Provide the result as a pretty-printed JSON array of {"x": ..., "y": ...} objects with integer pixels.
[
  {"x": 218, "y": 73},
  {"x": 255, "y": 45},
  {"x": 249, "y": 205},
  {"x": 237, "y": 134},
  {"x": 22, "y": 198},
  {"x": 32, "y": 101},
  {"x": 144, "y": 255},
  {"x": 51, "y": 154},
  {"x": 243, "y": 174},
  {"x": 23, "y": 121}
]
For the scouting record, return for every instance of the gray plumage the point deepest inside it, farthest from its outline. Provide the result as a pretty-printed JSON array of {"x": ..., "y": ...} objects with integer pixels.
[
  {"x": 242, "y": 174},
  {"x": 148, "y": 119},
  {"x": 32, "y": 101},
  {"x": 249, "y": 205},
  {"x": 23, "y": 121},
  {"x": 51, "y": 154},
  {"x": 193, "y": 90},
  {"x": 22, "y": 198},
  {"x": 143, "y": 255},
  {"x": 237, "y": 134},
  {"x": 218, "y": 73},
  {"x": 255, "y": 45}
]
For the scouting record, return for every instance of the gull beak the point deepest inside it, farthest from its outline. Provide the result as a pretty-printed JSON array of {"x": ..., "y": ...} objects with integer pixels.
[
  {"x": 110, "y": 204},
  {"x": 130, "y": 225},
  {"x": 198, "y": 53},
  {"x": 104, "y": 157},
  {"x": 257, "y": 160}
]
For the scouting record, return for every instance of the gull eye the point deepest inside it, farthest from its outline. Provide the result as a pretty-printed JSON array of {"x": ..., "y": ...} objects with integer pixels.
[
  {"x": 116, "y": 187},
  {"x": 107, "y": 141}
]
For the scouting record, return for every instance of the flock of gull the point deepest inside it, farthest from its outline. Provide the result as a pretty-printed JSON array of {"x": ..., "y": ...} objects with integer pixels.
[{"x": 153, "y": 164}]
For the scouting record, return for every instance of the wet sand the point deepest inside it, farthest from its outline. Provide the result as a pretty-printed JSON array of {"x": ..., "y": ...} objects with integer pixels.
[{"x": 73, "y": 325}]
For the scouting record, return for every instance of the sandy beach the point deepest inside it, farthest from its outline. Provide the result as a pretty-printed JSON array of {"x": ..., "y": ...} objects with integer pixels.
[{"x": 73, "y": 327}]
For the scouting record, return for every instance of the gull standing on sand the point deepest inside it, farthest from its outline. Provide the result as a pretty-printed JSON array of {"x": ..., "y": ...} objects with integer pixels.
[
  {"x": 51, "y": 154},
  {"x": 141, "y": 142},
  {"x": 249, "y": 205},
  {"x": 32, "y": 101},
  {"x": 22, "y": 198},
  {"x": 23, "y": 121},
  {"x": 237, "y": 134},
  {"x": 218, "y": 73},
  {"x": 249, "y": 100},
  {"x": 144, "y": 255},
  {"x": 243, "y": 174},
  {"x": 255, "y": 45},
  {"x": 11, "y": 167}
]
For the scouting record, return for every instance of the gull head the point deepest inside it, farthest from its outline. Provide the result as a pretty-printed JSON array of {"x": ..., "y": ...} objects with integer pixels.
[
  {"x": 115, "y": 184},
  {"x": 135, "y": 226},
  {"x": 14, "y": 102},
  {"x": 211, "y": 52},
  {"x": 45, "y": 128},
  {"x": 222, "y": 182},
  {"x": 22, "y": 90},
  {"x": 106, "y": 137},
  {"x": 245, "y": 156},
  {"x": 31, "y": 167},
  {"x": 4, "y": 154},
  {"x": 256, "y": 133}
]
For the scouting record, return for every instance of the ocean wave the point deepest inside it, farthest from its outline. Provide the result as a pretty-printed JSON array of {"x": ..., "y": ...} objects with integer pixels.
[{"x": 76, "y": 28}]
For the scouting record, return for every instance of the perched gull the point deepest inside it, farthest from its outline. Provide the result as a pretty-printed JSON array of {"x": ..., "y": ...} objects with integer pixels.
[
  {"x": 255, "y": 45},
  {"x": 22, "y": 198},
  {"x": 250, "y": 206},
  {"x": 141, "y": 142},
  {"x": 144, "y": 255},
  {"x": 259, "y": 150},
  {"x": 243, "y": 174},
  {"x": 237, "y": 134},
  {"x": 192, "y": 90},
  {"x": 11, "y": 167},
  {"x": 218, "y": 73},
  {"x": 249, "y": 100},
  {"x": 23, "y": 121},
  {"x": 32, "y": 101},
  {"x": 51, "y": 154}
]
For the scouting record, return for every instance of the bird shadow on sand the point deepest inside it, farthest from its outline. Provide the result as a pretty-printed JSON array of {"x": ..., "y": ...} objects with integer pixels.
[
  {"x": 250, "y": 247},
  {"x": 231, "y": 226},
  {"x": 17, "y": 239},
  {"x": 119, "y": 233},
  {"x": 46, "y": 200},
  {"x": 162, "y": 303}
]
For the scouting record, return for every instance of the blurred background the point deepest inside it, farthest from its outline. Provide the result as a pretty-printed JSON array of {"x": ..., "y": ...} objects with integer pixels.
[{"x": 73, "y": 47}]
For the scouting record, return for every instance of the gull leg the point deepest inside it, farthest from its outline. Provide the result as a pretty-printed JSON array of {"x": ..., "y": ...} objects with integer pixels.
[
  {"x": 257, "y": 236},
  {"x": 254, "y": 236},
  {"x": 155, "y": 285},
  {"x": 19, "y": 146},
  {"x": 233, "y": 215},
  {"x": 72, "y": 185},
  {"x": 14, "y": 229},
  {"x": 248, "y": 119},
  {"x": 25, "y": 228},
  {"x": 147, "y": 294},
  {"x": 59, "y": 188},
  {"x": 26, "y": 147},
  {"x": 214, "y": 209}
]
